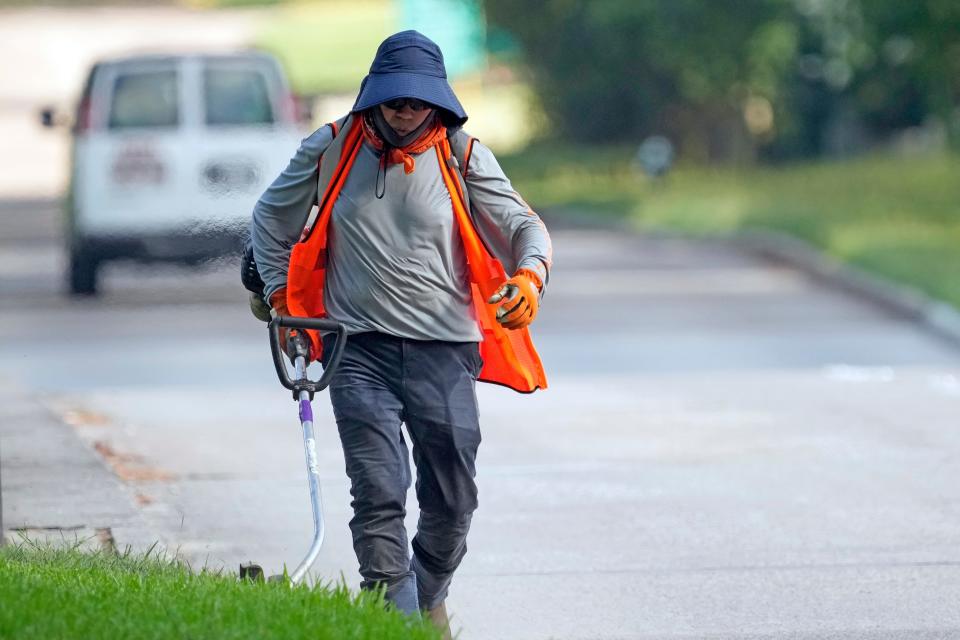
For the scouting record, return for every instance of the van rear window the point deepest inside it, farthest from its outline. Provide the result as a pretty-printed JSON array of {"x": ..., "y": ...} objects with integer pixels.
[
  {"x": 236, "y": 96},
  {"x": 144, "y": 99}
]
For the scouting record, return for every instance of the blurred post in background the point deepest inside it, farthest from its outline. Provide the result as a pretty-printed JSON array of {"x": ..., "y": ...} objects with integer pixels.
[{"x": 771, "y": 95}]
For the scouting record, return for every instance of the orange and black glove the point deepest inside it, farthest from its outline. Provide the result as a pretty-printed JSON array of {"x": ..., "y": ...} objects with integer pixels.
[
  {"x": 292, "y": 342},
  {"x": 521, "y": 299}
]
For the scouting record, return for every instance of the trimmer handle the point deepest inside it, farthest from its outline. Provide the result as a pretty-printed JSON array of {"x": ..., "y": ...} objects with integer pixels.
[{"x": 319, "y": 324}]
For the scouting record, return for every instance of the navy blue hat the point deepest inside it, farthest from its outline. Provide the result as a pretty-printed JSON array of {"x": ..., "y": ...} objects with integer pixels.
[{"x": 410, "y": 65}]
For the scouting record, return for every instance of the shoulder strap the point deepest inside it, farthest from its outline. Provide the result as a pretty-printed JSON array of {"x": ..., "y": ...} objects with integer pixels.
[
  {"x": 333, "y": 150},
  {"x": 460, "y": 144},
  {"x": 337, "y": 126},
  {"x": 325, "y": 171}
]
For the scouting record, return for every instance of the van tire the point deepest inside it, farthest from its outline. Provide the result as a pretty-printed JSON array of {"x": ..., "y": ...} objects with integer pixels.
[{"x": 83, "y": 271}]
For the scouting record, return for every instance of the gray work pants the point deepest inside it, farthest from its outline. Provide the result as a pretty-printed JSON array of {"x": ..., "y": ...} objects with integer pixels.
[{"x": 383, "y": 381}]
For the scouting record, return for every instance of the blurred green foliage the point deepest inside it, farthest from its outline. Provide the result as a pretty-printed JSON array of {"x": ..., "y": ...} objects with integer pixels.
[
  {"x": 742, "y": 79},
  {"x": 327, "y": 47},
  {"x": 236, "y": 3},
  {"x": 896, "y": 218}
]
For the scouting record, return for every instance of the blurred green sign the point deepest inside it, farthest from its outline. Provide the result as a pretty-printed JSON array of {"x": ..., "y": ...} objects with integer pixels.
[{"x": 456, "y": 25}]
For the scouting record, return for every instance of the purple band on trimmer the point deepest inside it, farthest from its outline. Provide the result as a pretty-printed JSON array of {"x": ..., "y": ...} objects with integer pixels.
[{"x": 306, "y": 411}]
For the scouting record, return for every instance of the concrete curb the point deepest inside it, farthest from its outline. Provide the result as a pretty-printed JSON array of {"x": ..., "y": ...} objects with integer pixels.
[
  {"x": 55, "y": 488},
  {"x": 934, "y": 315}
]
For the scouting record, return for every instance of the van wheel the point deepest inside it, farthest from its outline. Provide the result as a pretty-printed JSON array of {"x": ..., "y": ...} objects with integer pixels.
[{"x": 83, "y": 272}]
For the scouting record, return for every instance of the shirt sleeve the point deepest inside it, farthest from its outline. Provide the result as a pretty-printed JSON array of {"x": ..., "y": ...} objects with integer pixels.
[
  {"x": 282, "y": 211},
  {"x": 506, "y": 223}
]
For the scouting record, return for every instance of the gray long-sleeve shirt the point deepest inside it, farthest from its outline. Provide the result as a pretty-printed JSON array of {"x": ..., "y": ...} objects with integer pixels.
[{"x": 396, "y": 264}]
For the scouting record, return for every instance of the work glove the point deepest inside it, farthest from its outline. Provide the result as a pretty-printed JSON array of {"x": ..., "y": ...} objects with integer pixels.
[
  {"x": 521, "y": 294},
  {"x": 292, "y": 342},
  {"x": 259, "y": 307}
]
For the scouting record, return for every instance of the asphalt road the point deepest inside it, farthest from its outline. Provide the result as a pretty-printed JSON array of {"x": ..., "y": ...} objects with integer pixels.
[{"x": 727, "y": 449}]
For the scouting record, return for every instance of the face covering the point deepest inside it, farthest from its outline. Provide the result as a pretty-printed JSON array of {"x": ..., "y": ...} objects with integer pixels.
[
  {"x": 422, "y": 138},
  {"x": 391, "y": 137}
]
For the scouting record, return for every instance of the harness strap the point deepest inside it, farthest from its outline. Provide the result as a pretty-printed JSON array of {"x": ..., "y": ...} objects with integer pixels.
[
  {"x": 308, "y": 259},
  {"x": 509, "y": 357}
]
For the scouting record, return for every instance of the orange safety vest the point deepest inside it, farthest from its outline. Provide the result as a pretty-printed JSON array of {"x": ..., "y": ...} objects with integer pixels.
[{"x": 509, "y": 357}]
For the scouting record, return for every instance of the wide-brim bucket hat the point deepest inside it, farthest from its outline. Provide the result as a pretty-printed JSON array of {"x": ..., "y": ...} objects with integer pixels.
[{"x": 410, "y": 65}]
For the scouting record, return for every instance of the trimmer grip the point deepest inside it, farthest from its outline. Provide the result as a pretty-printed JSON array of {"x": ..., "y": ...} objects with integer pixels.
[{"x": 318, "y": 324}]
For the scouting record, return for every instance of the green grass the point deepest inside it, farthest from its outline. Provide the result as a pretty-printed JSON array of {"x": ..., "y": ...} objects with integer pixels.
[
  {"x": 327, "y": 47},
  {"x": 898, "y": 217},
  {"x": 47, "y": 592}
]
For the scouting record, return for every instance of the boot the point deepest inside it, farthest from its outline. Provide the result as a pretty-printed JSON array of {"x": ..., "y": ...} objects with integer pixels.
[{"x": 438, "y": 617}]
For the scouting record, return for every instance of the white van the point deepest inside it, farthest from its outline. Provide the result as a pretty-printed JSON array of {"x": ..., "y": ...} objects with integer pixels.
[{"x": 170, "y": 155}]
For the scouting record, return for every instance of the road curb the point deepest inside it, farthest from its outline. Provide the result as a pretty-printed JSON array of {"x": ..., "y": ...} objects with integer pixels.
[
  {"x": 55, "y": 488},
  {"x": 908, "y": 302}
]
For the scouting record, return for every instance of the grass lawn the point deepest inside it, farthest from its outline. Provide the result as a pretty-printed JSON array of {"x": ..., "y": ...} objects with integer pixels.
[
  {"x": 898, "y": 217},
  {"x": 63, "y": 593}
]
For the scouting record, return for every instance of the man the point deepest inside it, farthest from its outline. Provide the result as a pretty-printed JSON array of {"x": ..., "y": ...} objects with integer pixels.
[{"x": 413, "y": 214}]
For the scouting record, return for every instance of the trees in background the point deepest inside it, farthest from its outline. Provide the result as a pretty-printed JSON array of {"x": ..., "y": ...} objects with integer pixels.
[{"x": 739, "y": 79}]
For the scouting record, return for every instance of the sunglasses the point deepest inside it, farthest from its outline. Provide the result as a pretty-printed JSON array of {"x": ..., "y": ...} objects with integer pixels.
[{"x": 413, "y": 103}]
